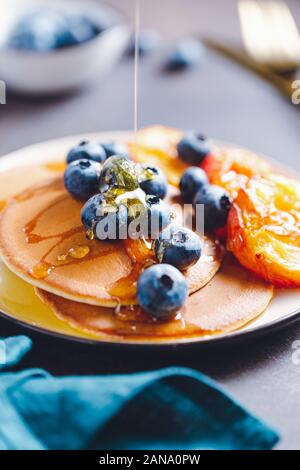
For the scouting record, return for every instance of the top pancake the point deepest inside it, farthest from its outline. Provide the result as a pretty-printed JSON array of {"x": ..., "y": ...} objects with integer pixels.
[{"x": 42, "y": 224}]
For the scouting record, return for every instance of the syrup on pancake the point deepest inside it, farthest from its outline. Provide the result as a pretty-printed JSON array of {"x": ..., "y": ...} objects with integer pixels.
[{"x": 43, "y": 241}]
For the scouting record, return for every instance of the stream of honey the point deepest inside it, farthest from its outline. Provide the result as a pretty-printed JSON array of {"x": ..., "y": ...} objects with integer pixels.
[{"x": 136, "y": 64}]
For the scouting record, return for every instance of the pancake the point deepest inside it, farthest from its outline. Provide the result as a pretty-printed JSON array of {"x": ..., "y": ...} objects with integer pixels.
[
  {"x": 43, "y": 241},
  {"x": 232, "y": 299},
  {"x": 15, "y": 180}
]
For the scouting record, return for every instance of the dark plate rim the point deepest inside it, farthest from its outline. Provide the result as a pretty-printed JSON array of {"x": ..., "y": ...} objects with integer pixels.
[{"x": 220, "y": 340}]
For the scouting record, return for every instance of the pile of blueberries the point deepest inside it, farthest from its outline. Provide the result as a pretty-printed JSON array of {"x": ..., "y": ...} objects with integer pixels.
[
  {"x": 46, "y": 30},
  {"x": 117, "y": 192},
  {"x": 112, "y": 186},
  {"x": 194, "y": 185}
]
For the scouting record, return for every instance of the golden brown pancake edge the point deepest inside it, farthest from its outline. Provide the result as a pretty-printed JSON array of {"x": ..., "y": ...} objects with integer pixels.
[{"x": 229, "y": 301}]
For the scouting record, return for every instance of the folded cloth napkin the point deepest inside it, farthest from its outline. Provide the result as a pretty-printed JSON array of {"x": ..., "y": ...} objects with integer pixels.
[{"x": 170, "y": 409}]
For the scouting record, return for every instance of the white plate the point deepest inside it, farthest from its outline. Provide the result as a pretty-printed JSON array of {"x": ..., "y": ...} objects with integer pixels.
[{"x": 284, "y": 308}]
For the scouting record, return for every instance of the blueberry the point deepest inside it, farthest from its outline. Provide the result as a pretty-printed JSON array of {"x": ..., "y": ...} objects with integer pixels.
[
  {"x": 162, "y": 290},
  {"x": 104, "y": 221},
  {"x": 193, "y": 148},
  {"x": 46, "y": 30},
  {"x": 217, "y": 203},
  {"x": 178, "y": 246},
  {"x": 118, "y": 175},
  {"x": 193, "y": 179},
  {"x": 28, "y": 41},
  {"x": 153, "y": 181},
  {"x": 115, "y": 148},
  {"x": 188, "y": 53},
  {"x": 148, "y": 218},
  {"x": 88, "y": 151},
  {"x": 113, "y": 223},
  {"x": 37, "y": 31},
  {"x": 79, "y": 29},
  {"x": 89, "y": 212},
  {"x": 82, "y": 178},
  {"x": 147, "y": 42},
  {"x": 159, "y": 216}
]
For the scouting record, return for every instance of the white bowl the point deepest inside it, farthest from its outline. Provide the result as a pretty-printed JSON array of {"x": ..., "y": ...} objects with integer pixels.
[{"x": 65, "y": 69}]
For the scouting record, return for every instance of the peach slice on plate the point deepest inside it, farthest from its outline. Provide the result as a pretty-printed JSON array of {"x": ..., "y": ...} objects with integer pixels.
[
  {"x": 264, "y": 229},
  {"x": 231, "y": 168}
]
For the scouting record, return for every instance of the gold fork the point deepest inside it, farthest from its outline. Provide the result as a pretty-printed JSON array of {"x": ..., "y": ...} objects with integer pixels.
[
  {"x": 272, "y": 42},
  {"x": 270, "y": 34}
]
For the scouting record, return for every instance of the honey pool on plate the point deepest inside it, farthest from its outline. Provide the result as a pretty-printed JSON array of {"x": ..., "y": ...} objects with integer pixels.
[{"x": 19, "y": 300}]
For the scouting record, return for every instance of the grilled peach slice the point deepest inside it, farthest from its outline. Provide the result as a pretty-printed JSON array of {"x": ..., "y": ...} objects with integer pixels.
[
  {"x": 264, "y": 229},
  {"x": 156, "y": 145},
  {"x": 231, "y": 168}
]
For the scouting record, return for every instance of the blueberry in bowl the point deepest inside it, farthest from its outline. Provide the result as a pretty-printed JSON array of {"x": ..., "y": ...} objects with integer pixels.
[
  {"x": 217, "y": 204},
  {"x": 49, "y": 29},
  {"x": 162, "y": 290},
  {"x": 193, "y": 148},
  {"x": 79, "y": 29},
  {"x": 81, "y": 178},
  {"x": 88, "y": 151},
  {"x": 193, "y": 179},
  {"x": 153, "y": 181},
  {"x": 178, "y": 246},
  {"x": 37, "y": 31}
]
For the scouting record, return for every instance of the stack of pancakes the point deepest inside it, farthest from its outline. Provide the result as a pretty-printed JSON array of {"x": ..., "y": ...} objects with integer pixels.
[{"x": 91, "y": 285}]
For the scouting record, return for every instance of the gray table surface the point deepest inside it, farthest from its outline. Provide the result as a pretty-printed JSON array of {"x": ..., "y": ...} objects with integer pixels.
[{"x": 222, "y": 100}]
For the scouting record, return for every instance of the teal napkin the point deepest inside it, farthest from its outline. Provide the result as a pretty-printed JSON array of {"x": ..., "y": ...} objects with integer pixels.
[
  {"x": 170, "y": 409},
  {"x": 13, "y": 349}
]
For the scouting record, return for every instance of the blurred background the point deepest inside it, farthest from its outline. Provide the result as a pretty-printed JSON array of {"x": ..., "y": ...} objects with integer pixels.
[{"x": 217, "y": 97}]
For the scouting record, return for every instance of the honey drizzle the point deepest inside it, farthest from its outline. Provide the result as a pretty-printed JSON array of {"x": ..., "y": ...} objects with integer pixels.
[
  {"x": 79, "y": 252},
  {"x": 43, "y": 268},
  {"x": 56, "y": 166},
  {"x": 141, "y": 255},
  {"x": 57, "y": 184},
  {"x": 29, "y": 228},
  {"x": 123, "y": 289},
  {"x": 2, "y": 204}
]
